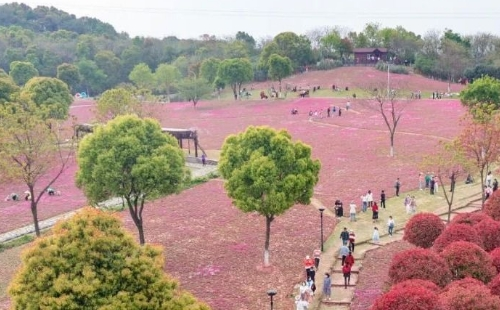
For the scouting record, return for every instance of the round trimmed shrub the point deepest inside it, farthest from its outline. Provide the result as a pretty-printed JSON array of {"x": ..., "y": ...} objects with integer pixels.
[
  {"x": 411, "y": 298},
  {"x": 464, "y": 283},
  {"x": 477, "y": 297},
  {"x": 467, "y": 259},
  {"x": 470, "y": 218},
  {"x": 492, "y": 206},
  {"x": 422, "y": 229},
  {"x": 494, "y": 285},
  {"x": 422, "y": 264},
  {"x": 457, "y": 232},
  {"x": 495, "y": 257},
  {"x": 489, "y": 232},
  {"x": 417, "y": 283}
]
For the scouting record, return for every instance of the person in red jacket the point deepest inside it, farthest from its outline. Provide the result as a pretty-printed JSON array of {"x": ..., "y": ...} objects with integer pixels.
[
  {"x": 308, "y": 265},
  {"x": 346, "y": 270},
  {"x": 349, "y": 260},
  {"x": 375, "y": 212}
]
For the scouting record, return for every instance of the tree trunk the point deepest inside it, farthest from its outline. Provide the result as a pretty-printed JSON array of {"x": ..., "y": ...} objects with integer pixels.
[
  {"x": 392, "y": 144},
  {"x": 483, "y": 196},
  {"x": 168, "y": 93},
  {"x": 132, "y": 207},
  {"x": 268, "y": 236},
  {"x": 34, "y": 211},
  {"x": 233, "y": 86},
  {"x": 140, "y": 228}
]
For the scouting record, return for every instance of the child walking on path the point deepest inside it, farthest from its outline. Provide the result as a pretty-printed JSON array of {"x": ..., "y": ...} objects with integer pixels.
[
  {"x": 376, "y": 235},
  {"x": 390, "y": 225}
]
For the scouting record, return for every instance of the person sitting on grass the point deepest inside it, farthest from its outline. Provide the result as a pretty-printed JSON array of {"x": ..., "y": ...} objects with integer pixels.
[
  {"x": 13, "y": 197},
  {"x": 53, "y": 192}
]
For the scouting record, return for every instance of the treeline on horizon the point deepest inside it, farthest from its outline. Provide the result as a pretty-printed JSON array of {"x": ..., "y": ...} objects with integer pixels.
[{"x": 48, "y": 37}]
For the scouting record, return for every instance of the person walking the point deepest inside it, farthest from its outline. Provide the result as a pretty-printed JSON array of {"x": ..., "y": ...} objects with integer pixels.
[
  {"x": 375, "y": 212},
  {"x": 390, "y": 225},
  {"x": 327, "y": 286},
  {"x": 343, "y": 252},
  {"x": 397, "y": 186},
  {"x": 308, "y": 264},
  {"x": 413, "y": 205},
  {"x": 375, "y": 235},
  {"x": 407, "y": 203},
  {"x": 317, "y": 256},
  {"x": 344, "y": 236},
  {"x": 427, "y": 179},
  {"x": 495, "y": 185},
  {"x": 352, "y": 240},
  {"x": 203, "y": 159},
  {"x": 432, "y": 185},
  {"x": 349, "y": 259},
  {"x": 489, "y": 178},
  {"x": 346, "y": 270},
  {"x": 364, "y": 202},
  {"x": 421, "y": 181},
  {"x": 352, "y": 211},
  {"x": 382, "y": 199},
  {"x": 369, "y": 198}
]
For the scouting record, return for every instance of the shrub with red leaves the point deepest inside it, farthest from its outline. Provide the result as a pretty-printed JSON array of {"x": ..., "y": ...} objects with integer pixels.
[
  {"x": 477, "y": 297},
  {"x": 457, "y": 232},
  {"x": 410, "y": 298},
  {"x": 489, "y": 231},
  {"x": 464, "y": 283},
  {"x": 495, "y": 257},
  {"x": 417, "y": 283},
  {"x": 467, "y": 259},
  {"x": 492, "y": 206},
  {"x": 494, "y": 285},
  {"x": 420, "y": 264},
  {"x": 470, "y": 218},
  {"x": 422, "y": 229}
]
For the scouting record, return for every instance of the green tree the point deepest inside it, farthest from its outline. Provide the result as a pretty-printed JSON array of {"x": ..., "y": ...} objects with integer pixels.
[
  {"x": 194, "y": 89},
  {"x": 69, "y": 74},
  {"x": 182, "y": 64},
  {"x": 91, "y": 262},
  {"x": 453, "y": 60},
  {"x": 482, "y": 97},
  {"x": 117, "y": 101},
  {"x": 266, "y": 172},
  {"x": 209, "y": 68},
  {"x": 235, "y": 72},
  {"x": 130, "y": 158},
  {"x": 166, "y": 76},
  {"x": 22, "y": 71},
  {"x": 7, "y": 89},
  {"x": 297, "y": 48},
  {"x": 267, "y": 51},
  {"x": 32, "y": 150},
  {"x": 110, "y": 65},
  {"x": 279, "y": 67},
  {"x": 93, "y": 78},
  {"x": 51, "y": 93},
  {"x": 142, "y": 76}
]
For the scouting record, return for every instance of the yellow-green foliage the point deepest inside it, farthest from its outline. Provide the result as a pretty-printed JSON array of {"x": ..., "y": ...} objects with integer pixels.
[{"x": 90, "y": 262}]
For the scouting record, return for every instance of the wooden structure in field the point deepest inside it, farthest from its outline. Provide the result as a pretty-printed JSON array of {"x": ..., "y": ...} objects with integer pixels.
[{"x": 184, "y": 134}]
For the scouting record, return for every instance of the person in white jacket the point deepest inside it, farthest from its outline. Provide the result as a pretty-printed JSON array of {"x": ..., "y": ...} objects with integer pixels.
[
  {"x": 352, "y": 211},
  {"x": 390, "y": 225}
]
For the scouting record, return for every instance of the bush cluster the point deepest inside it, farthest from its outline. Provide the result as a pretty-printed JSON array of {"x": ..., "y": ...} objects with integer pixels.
[
  {"x": 492, "y": 206},
  {"x": 457, "y": 232},
  {"x": 495, "y": 257},
  {"x": 328, "y": 64},
  {"x": 382, "y": 66},
  {"x": 494, "y": 285},
  {"x": 465, "y": 297},
  {"x": 470, "y": 218},
  {"x": 423, "y": 229},
  {"x": 489, "y": 232},
  {"x": 466, "y": 259},
  {"x": 421, "y": 264},
  {"x": 417, "y": 283},
  {"x": 409, "y": 298}
]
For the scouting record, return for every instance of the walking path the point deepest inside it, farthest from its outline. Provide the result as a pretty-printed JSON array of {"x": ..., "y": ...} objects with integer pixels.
[
  {"x": 197, "y": 171},
  {"x": 363, "y": 227}
]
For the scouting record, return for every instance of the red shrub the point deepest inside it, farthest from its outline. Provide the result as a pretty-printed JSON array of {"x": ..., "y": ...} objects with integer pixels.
[
  {"x": 463, "y": 283},
  {"x": 470, "y": 218},
  {"x": 489, "y": 232},
  {"x": 417, "y": 283},
  {"x": 457, "y": 232},
  {"x": 421, "y": 264},
  {"x": 495, "y": 257},
  {"x": 422, "y": 229},
  {"x": 492, "y": 206},
  {"x": 494, "y": 285},
  {"x": 411, "y": 298},
  {"x": 467, "y": 259},
  {"x": 477, "y": 297}
]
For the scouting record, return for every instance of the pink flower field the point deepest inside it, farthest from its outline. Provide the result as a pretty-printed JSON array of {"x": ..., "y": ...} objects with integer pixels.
[{"x": 214, "y": 249}]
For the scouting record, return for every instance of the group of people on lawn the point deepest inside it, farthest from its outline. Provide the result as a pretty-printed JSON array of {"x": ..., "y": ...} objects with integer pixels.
[{"x": 27, "y": 195}]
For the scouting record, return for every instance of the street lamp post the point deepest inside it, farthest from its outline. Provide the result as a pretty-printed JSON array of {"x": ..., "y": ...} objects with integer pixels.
[
  {"x": 321, "y": 216},
  {"x": 271, "y": 294}
]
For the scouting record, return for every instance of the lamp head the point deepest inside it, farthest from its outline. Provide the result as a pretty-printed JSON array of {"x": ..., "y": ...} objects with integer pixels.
[
  {"x": 272, "y": 292},
  {"x": 321, "y": 209}
]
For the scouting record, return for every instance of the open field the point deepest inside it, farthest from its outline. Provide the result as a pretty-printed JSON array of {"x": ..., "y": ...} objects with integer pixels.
[{"x": 214, "y": 249}]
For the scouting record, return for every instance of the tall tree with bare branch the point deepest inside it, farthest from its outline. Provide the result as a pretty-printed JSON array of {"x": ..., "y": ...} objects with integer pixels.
[
  {"x": 390, "y": 103},
  {"x": 480, "y": 142},
  {"x": 33, "y": 150}
]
